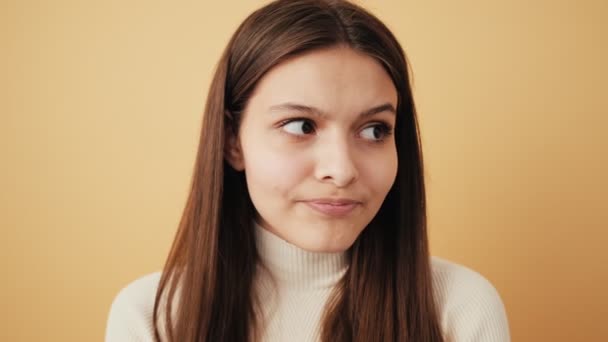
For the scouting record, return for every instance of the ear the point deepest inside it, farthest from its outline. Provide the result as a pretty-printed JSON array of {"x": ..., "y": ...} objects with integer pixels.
[{"x": 232, "y": 147}]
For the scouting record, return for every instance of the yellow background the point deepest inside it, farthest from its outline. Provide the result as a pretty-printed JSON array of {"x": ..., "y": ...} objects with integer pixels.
[{"x": 101, "y": 102}]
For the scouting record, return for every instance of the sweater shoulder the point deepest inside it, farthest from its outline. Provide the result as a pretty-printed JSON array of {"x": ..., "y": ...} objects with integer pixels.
[
  {"x": 131, "y": 312},
  {"x": 469, "y": 306}
]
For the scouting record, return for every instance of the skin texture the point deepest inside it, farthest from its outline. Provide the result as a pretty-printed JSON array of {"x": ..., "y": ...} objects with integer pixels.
[{"x": 335, "y": 154}]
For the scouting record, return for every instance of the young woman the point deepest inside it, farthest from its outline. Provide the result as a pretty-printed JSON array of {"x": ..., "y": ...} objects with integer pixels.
[{"x": 306, "y": 218}]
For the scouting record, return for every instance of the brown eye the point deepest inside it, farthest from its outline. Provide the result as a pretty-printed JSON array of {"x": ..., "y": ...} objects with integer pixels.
[
  {"x": 377, "y": 132},
  {"x": 299, "y": 127}
]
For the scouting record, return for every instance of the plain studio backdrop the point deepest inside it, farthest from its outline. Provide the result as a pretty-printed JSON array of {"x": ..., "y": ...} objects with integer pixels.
[{"x": 101, "y": 104}]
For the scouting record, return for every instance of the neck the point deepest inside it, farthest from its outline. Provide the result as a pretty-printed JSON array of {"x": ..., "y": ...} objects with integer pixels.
[{"x": 295, "y": 267}]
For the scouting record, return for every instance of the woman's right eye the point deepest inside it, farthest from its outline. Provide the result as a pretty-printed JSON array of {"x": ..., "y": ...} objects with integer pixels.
[{"x": 299, "y": 126}]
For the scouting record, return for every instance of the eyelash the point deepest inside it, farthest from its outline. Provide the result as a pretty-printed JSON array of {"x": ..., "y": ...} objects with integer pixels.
[{"x": 387, "y": 129}]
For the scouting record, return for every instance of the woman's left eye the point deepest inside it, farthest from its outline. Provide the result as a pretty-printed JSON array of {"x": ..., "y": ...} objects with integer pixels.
[{"x": 377, "y": 132}]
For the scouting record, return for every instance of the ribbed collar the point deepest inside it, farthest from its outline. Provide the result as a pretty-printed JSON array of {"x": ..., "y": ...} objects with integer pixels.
[{"x": 293, "y": 267}]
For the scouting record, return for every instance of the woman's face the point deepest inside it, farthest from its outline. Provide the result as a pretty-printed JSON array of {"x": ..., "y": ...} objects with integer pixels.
[{"x": 317, "y": 147}]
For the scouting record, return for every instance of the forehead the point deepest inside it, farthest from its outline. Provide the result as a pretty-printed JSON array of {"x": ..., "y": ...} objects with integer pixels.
[{"x": 339, "y": 80}]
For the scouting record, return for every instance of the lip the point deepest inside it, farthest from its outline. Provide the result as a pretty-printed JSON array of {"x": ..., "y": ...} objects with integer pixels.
[{"x": 335, "y": 207}]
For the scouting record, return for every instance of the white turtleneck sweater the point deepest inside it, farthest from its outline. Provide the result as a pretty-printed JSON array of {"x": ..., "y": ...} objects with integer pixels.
[{"x": 297, "y": 285}]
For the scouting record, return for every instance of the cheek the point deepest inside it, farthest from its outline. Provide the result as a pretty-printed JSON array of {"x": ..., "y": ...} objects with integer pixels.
[
  {"x": 380, "y": 173},
  {"x": 273, "y": 174}
]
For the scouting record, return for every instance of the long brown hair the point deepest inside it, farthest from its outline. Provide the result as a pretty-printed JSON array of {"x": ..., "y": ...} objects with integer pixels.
[{"x": 387, "y": 292}]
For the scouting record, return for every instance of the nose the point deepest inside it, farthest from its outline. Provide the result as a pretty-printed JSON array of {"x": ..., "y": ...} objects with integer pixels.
[{"x": 335, "y": 163}]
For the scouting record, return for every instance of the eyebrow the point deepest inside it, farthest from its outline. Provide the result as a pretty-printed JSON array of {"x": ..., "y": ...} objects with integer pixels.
[{"x": 290, "y": 106}]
